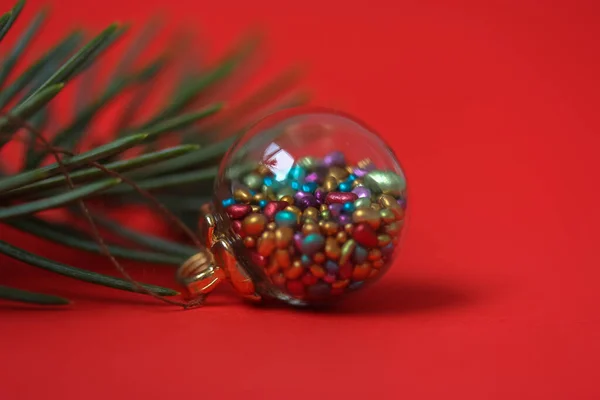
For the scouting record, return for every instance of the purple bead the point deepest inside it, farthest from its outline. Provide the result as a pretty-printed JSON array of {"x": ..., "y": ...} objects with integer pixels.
[
  {"x": 360, "y": 172},
  {"x": 320, "y": 195},
  {"x": 336, "y": 209},
  {"x": 308, "y": 201},
  {"x": 345, "y": 219},
  {"x": 300, "y": 195},
  {"x": 298, "y": 240},
  {"x": 312, "y": 177},
  {"x": 335, "y": 158},
  {"x": 361, "y": 192},
  {"x": 401, "y": 203}
]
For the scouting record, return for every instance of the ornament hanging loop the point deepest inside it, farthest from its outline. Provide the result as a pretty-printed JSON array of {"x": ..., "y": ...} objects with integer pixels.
[{"x": 199, "y": 274}]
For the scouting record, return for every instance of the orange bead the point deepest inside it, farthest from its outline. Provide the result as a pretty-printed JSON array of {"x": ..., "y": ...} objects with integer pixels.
[
  {"x": 294, "y": 273},
  {"x": 378, "y": 263},
  {"x": 361, "y": 272},
  {"x": 317, "y": 271},
  {"x": 340, "y": 284},
  {"x": 319, "y": 258},
  {"x": 278, "y": 279}
]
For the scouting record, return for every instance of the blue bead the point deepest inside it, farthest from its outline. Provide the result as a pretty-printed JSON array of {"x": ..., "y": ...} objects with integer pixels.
[
  {"x": 360, "y": 255},
  {"x": 312, "y": 243},
  {"x": 252, "y": 192},
  {"x": 286, "y": 218},
  {"x": 297, "y": 173},
  {"x": 306, "y": 260},
  {"x": 331, "y": 267},
  {"x": 295, "y": 185},
  {"x": 355, "y": 285},
  {"x": 309, "y": 187},
  {"x": 351, "y": 178},
  {"x": 263, "y": 203},
  {"x": 345, "y": 187},
  {"x": 228, "y": 202},
  {"x": 268, "y": 181},
  {"x": 349, "y": 207}
]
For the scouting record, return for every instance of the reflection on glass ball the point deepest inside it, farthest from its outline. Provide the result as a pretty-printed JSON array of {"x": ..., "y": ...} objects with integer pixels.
[{"x": 313, "y": 204}]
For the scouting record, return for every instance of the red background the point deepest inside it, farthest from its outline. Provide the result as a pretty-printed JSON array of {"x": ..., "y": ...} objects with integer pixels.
[{"x": 492, "y": 108}]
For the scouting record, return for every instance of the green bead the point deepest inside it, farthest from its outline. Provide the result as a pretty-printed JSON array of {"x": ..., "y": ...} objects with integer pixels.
[
  {"x": 347, "y": 250},
  {"x": 363, "y": 202},
  {"x": 286, "y": 191},
  {"x": 308, "y": 163},
  {"x": 385, "y": 182},
  {"x": 326, "y": 214},
  {"x": 253, "y": 181}
]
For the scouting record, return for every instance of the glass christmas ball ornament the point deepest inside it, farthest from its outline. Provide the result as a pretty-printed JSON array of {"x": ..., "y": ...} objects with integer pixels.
[{"x": 309, "y": 205}]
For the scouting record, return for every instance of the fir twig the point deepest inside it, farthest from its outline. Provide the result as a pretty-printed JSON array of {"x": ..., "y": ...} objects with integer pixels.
[{"x": 25, "y": 296}]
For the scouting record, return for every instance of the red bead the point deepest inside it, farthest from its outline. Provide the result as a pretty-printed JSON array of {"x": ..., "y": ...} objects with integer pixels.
[
  {"x": 272, "y": 208},
  {"x": 309, "y": 279},
  {"x": 295, "y": 287},
  {"x": 365, "y": 235},
  {"x": 237, "y": 211},
  {"x": 237, "y": 228},
  {"x": 345, "y": 271},
  {"x": 340, "y": 197},
  {"x": 258, "y": 259}
]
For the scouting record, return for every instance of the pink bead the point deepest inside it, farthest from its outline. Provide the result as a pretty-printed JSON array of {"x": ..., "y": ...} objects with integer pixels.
[
  {"x": 272, "y": 208},
  {"x": 237, "y": 211},
  {"x": 340, "y": 197}
]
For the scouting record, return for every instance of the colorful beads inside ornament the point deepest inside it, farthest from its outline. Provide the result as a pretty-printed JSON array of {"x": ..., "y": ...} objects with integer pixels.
[
  {"x": 323, "y": 229},
  {"x": 313, "y": 202}
]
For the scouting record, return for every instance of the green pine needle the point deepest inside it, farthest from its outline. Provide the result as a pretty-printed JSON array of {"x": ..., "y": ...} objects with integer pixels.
[
  {"x": 81, "y": 274},
  {"x": 27, "y": 109},
  {"x": 21, "y": 46},
  {"x": 32, "y": 176},
  {"x": 8, "y": 19},
  {"x": 76, "y": 239},
  {"x": 88, "y": 174},
  {"x": 25, "y": 296},
  {"x": 73, "y": 66},
  {"x": 35, "y": 71},
  {"x": 57, "y": 200}
]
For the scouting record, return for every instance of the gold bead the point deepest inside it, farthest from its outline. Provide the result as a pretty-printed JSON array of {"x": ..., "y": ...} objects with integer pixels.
[
  {"x": 341, "y": 237},
  {"x": 307, "y": 229},
  {"x": 263, "y": 170},
  {"x": 329, "y": 227},
  {"x": 362, "y": 164},
  {"x": 255, "y": 208},
  {"x": 283, "y": 236},
  {"x": 323, "y": 207},
  {"x": 349, "y": 228},
  {"x": 330, "y": 184},
  {"x": 295, "y": 210},
  {"x": 249, "y": 241},
  {"x": 242, "y": 195},
  {"x": 338, "y": 173},
  {"x": 288, "y": 199},
  {"x": 332, "y": 249},
  {"x": 310, "y": 212},
  {"x": 271, "y": 226},
  {"x": 258, "y": 197},
  {"x": 387, "y": 201}
]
